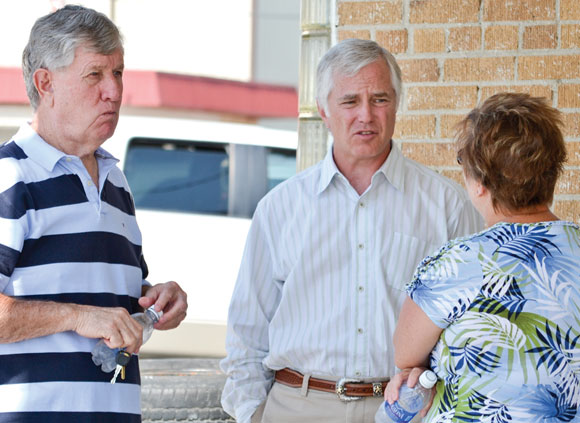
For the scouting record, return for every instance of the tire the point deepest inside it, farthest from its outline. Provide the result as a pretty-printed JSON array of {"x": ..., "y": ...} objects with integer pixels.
[{"x": 182, "y": 390}]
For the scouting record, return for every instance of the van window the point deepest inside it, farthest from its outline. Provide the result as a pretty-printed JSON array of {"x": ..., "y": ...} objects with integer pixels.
[{"x": 202, "y": 177}]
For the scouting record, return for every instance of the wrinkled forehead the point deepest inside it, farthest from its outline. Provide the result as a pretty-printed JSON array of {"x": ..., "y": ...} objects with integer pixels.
[{"x": 374, "y": 77}]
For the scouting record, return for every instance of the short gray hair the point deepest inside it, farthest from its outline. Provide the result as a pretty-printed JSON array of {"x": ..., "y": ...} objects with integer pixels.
[
  {"x": 347, "y": 58},
  {"x": 55, "y": 37}
]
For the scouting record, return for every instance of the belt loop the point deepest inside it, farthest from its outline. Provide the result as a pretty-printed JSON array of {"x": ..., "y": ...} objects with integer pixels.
[{"x": 304, "y": 389}]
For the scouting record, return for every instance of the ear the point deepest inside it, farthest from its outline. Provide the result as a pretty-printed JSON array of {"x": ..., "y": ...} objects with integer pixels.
[
  {"x": 481, "y": 190},
  {"x": 44, "y": 85},
  {"x": 323, "y": 114}
]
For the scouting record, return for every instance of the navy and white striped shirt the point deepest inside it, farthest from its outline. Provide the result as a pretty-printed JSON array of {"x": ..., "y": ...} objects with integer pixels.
[{"x": 64, "y": 240}]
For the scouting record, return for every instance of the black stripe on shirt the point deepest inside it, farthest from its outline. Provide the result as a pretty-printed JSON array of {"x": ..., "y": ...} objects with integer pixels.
[
  {"x": 69, "y": 417},
  {"x": 60, "y": 367},
  {"x": 59, "y": 191},
  {"x": 86, "y": 247},
  {"x": 11, "y": 150},
  {"x": 8, "y": 259},
  {"x": 118, "y": 198}
]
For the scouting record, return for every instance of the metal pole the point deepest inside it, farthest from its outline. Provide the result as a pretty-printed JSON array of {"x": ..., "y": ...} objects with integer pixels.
[{"x": 315, "y": 41}]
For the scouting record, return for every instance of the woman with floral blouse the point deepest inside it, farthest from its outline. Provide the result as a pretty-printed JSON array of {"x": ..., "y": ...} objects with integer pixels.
[{"x": 497, "y": 314}]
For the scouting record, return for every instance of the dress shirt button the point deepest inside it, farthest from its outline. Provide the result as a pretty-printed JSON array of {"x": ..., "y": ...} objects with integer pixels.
[
  {"x": 361, "y": 204},
  {"x": 361, "y": 246},
  {"x": 361, "y": 288},
  {"x": 360, "y": 330},
  {"x": 68, "y": 159},
  {"x": 357, "y": 373},
  {"x": 90, "y": 183}
]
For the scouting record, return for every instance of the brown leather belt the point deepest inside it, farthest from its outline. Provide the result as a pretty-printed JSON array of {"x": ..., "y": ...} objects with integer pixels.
[{"x": 346, "y": 389}]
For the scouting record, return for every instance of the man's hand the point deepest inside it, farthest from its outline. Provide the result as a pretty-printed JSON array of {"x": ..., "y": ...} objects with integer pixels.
[
  {"x": 411, "y": 376},
  {"x": 169, "y": 298},
  {"x": 114, "y": 325}
]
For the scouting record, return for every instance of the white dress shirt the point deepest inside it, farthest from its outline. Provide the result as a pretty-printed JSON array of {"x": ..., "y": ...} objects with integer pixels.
[{"x": 324, "y": 270}]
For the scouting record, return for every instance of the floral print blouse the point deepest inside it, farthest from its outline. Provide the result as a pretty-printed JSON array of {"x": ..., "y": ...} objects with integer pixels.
[{"x": 508, "y": 299}]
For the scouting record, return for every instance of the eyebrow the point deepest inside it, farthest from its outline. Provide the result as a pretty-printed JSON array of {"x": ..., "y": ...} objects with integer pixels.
[
  {"x": 381, "y": 94},
  {"x": 348, "y": 97},
  {"x": 355, "y": 96}
]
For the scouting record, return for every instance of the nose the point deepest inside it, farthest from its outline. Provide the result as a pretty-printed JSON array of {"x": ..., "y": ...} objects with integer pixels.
[
  {"x": 112, "y": 88},
  {"x": 365, "y": 112}
]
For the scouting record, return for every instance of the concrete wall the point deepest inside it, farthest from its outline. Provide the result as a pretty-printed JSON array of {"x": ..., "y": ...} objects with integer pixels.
[{"x": 456, "y": 53}]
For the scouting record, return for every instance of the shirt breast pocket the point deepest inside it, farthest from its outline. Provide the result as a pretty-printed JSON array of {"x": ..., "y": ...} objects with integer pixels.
[{"x": 403, "y": 255}]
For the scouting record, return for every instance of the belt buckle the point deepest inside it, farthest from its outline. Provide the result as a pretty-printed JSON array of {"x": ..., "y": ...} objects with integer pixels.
[{"x": 341, "y": 389}]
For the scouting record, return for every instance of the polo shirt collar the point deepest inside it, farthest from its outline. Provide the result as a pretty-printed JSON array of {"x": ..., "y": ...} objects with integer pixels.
[{"x": 41, "y": 152}]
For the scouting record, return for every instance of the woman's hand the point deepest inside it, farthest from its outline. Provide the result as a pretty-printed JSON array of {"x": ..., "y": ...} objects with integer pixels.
[{"x": 411, "y": 376}]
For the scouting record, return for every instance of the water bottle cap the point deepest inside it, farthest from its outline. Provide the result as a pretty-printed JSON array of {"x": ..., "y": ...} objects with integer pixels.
[
  {"x": 428, "y": 379},
  {"x": 153, "y": 314}
]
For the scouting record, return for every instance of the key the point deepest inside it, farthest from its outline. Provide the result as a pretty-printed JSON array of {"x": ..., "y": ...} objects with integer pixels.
[
  {"x": 122, "y": 359},
  {"x": 117, "y": 371}
]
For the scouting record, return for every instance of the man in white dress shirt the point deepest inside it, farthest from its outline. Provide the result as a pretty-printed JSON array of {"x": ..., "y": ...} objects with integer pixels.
[{"x": 329, "y": 253}]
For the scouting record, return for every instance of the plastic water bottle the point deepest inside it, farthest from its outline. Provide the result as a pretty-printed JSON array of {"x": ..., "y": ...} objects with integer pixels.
[
  {"x": 410, "y": 402},
  {"x": 106, "y": 357}
]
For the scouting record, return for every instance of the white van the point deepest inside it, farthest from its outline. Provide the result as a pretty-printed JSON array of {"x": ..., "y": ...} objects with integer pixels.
[{"x": 196, "y": 185}]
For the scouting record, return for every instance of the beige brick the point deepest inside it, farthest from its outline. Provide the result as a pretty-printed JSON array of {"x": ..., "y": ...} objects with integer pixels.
[
  {"x": 428, "y": 98},
  {"x": 430, "y": 40},
  {"x": 370, "y": 13},
  {"x": 464, "y": 38},
  {"x": 443, "y": 11},
  {"x": 540, "y": 36},
  {"x": 394, "y": 41},
  {"x": 430, "y": 153},
  {"x": 548, "y": 67},
  {"x": 571, "y": 124},
  {"x": 419, "y": 70},
  {"x": 570, "y": 36},
  {"x": 569, "y": 10},
  {"x": 533, "y": 90},
  {"x": 569, "y": 182},
  {"x": 569, "y": 96},
  {"x": 454, "y": 175},
  {"x": 519, "y": 10},
  {"x": 567, "y": 210},
  {"x": 362, "y": 34},
  {"x": 501, "y": 37},
  {"x": 415, "y": 126},
  {"x": 479, "y": 69},
  {"x": 573, "y": 148},
  {"x": 448, "y": 125}
]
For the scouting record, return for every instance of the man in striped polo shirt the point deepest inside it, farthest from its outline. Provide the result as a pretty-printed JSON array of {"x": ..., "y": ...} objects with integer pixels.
[{"x": 71, "y": 265}]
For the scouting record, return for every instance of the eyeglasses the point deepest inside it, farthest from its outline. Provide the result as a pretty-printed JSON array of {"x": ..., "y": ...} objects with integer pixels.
[{"x": 459, "y": 160}]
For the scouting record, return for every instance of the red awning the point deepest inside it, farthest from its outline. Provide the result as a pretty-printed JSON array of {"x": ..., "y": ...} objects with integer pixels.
[{"x": 164, "y": 90}]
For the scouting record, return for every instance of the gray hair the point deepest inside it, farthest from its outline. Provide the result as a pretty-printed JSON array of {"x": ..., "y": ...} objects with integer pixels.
[
  {"x": 347, "y": 58},
  {"x": 55, "y": 37}
]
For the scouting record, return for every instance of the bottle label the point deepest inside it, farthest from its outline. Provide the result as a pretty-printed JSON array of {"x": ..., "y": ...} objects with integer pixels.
[{"x": 398, "y": 413}]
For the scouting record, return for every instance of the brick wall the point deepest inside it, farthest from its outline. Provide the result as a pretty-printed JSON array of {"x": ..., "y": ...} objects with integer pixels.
[{"x": 456, "y": 53}]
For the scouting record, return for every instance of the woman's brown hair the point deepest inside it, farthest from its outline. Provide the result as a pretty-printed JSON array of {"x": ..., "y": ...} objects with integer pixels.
[{"x": 513, "y": 145}]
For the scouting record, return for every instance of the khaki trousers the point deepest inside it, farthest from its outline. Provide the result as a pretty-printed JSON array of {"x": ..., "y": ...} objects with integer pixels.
[{"x": 293, "y": 405}]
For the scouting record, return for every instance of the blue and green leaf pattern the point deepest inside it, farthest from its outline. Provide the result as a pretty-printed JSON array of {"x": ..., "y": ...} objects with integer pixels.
[{"x": 508, "y": 301}]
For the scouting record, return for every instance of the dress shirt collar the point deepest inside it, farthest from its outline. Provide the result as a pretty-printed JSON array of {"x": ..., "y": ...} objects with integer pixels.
[
  {"x": 392, "y": 169},
  {"x": 43, "y": 153}
]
